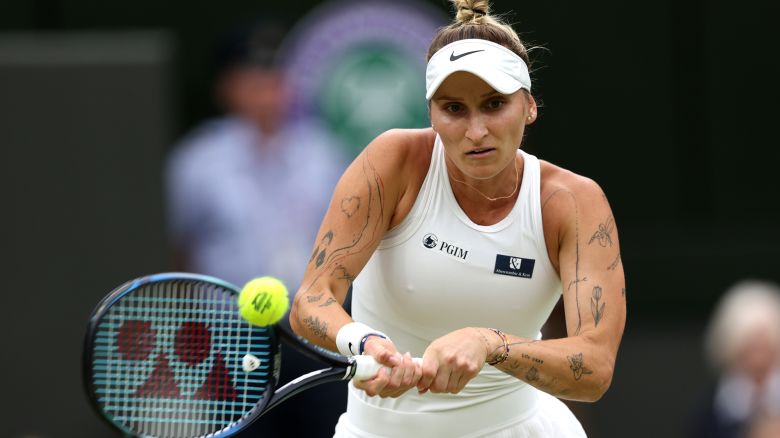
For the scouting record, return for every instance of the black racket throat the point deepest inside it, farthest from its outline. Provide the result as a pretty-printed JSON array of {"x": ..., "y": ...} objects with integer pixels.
[{"x": 343, "y": 368}]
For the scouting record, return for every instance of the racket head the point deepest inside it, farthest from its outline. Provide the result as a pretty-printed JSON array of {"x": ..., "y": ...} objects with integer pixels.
[{"x": 164, "y": 356}]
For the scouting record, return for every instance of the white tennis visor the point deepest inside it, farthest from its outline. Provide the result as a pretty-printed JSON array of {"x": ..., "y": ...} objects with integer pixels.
[{"x": 501, "y": 68}]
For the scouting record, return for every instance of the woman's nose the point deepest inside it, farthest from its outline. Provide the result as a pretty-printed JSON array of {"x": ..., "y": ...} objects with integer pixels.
[{"x": 476, "y": 129}]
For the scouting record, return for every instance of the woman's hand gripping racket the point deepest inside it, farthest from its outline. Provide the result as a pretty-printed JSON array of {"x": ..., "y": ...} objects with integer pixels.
[{"x": 168, "y": 355}]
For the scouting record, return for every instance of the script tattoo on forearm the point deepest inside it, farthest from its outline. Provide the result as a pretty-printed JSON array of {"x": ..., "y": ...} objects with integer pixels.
[
  {"x": 516, "y": 367},
  {"x": 577, "y": 365},
  {"x": 595, "y": 309},
  {"x": 532, "y": 359},
  {"x": 604, "y": 233},
  {"x": 579, "y": 280},
  {"x": 319, "y": 328}
]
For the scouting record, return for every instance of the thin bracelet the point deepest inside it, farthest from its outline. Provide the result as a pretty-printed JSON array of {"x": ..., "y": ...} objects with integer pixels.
[
  {"x": 505, "y": 355},
  {"x": 365, "y": 338}
]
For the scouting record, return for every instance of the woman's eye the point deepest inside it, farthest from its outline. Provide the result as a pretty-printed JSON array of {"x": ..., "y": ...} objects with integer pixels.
[
  {"x": 453, "y": 107},
  {"x": 495, "y": 104}
]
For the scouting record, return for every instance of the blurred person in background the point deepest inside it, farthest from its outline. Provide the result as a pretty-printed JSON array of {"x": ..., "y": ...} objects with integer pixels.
[
  {"x": 743, "y": 346},
  {"x": 246, "y": 192}
]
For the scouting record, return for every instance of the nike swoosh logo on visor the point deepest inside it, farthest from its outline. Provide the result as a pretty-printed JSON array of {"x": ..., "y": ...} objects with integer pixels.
[{"x": 454, "y": 57}]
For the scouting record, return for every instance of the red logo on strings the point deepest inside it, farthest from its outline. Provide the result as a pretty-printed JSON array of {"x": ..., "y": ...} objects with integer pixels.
[{"x": 192, "y": 345}]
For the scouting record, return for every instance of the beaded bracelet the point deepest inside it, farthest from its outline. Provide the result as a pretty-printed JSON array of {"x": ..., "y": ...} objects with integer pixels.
[{"x": 505, "y": 355}]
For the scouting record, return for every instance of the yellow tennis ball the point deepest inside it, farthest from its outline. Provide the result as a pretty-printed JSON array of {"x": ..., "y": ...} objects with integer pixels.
[{"x": 263, "y": 301}]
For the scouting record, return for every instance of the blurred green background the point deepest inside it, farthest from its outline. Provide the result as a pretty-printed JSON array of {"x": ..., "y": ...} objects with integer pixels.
[{"x": 671, "y": 106}]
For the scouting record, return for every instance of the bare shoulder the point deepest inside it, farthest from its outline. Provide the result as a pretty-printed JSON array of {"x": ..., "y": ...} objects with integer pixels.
[
  {"x": 559, "y": 187},
  {"x": 405, "y": 154},
  {"x": 568, "y": 200},
  {"x": 403, "y": 148}
]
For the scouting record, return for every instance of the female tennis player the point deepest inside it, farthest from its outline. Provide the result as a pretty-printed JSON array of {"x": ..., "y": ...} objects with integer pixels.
[{"x": 458, "y": 245}]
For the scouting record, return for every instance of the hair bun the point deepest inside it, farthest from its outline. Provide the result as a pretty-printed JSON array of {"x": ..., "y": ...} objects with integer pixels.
[{"x": 470, "y": 10}]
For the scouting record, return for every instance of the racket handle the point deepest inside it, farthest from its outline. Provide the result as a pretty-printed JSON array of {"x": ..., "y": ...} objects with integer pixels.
[{"x": 366, "y": 367}]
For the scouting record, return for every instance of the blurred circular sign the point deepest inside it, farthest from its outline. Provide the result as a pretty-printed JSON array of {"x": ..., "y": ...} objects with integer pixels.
[{"x": 359, "y": 66}]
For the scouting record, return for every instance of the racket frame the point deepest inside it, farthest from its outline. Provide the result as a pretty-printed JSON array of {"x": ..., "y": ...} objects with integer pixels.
[
  {"x": 118, "y": 293},
  {"x": 341, "y": 367}
]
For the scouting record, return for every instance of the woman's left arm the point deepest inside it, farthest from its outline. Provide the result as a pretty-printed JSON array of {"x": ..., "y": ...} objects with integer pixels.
[{"x": 580, "y": 366}]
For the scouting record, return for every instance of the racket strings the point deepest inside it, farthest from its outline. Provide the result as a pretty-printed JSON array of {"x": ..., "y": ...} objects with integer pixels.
[{"x": 167, "y": 360}]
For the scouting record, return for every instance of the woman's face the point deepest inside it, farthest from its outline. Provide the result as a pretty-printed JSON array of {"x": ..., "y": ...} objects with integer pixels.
[{"x": 481, "y": 128}]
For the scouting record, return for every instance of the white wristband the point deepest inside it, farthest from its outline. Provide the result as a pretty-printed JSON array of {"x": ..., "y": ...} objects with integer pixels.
[{"x": 350, "y": 335}]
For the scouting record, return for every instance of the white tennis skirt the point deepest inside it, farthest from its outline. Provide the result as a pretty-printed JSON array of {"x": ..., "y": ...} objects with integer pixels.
[{"x": 548, "y": 418}]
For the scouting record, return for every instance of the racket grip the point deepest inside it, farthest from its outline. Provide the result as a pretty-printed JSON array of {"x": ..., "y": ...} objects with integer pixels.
[{"x": 366, "y": 367}]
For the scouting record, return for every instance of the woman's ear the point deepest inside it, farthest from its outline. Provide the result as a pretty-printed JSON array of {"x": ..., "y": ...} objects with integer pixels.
[{"x": 532, "y": 110}]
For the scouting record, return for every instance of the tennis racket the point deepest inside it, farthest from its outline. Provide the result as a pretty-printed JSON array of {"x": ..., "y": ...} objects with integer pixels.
[{"x": 168, "y": 355}]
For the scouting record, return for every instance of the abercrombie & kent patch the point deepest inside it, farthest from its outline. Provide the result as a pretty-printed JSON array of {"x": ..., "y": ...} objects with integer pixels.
[{"x": 514, "y": 266}]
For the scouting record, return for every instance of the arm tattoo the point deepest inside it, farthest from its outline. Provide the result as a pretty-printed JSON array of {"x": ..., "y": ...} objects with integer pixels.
[
  {"x": 623, "y": 291},
  {"x": 350, "y": 205},
  {"x": 376, "y": 199},
  {"x": 577, "y": 265},
  {"x": 532, "y": 359},
  {"x": 614, "y": 264},
  {"x": 577, "y": 280},
  {"x": 598, "y": 312},
  {"x": 577, "y": 366},
  {"x": 314, "y": 298},
  {"x": 328, "y": 302},
  {"x": 532, "y": 375},
  {"x": 604, "y": 234},
  {"x": 371, "y": 216},
  {"x": 341, "y": 273},
  {"x": 544, "y": 204},
  {"x": 319, "y": 328},
  {"x": 324, "y": 243}
]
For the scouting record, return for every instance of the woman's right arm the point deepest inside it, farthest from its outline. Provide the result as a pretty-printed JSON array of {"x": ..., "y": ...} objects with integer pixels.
[{"x": 360, "y": 212}]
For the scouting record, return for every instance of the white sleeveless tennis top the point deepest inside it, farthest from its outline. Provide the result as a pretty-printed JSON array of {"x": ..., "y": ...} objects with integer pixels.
[{"x": 437, "y": 272}]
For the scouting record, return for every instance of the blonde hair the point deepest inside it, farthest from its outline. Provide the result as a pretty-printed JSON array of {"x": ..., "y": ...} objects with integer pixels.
[
  {"x": 473, "y": 20},
  {"x": 747, "y": 306}
]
